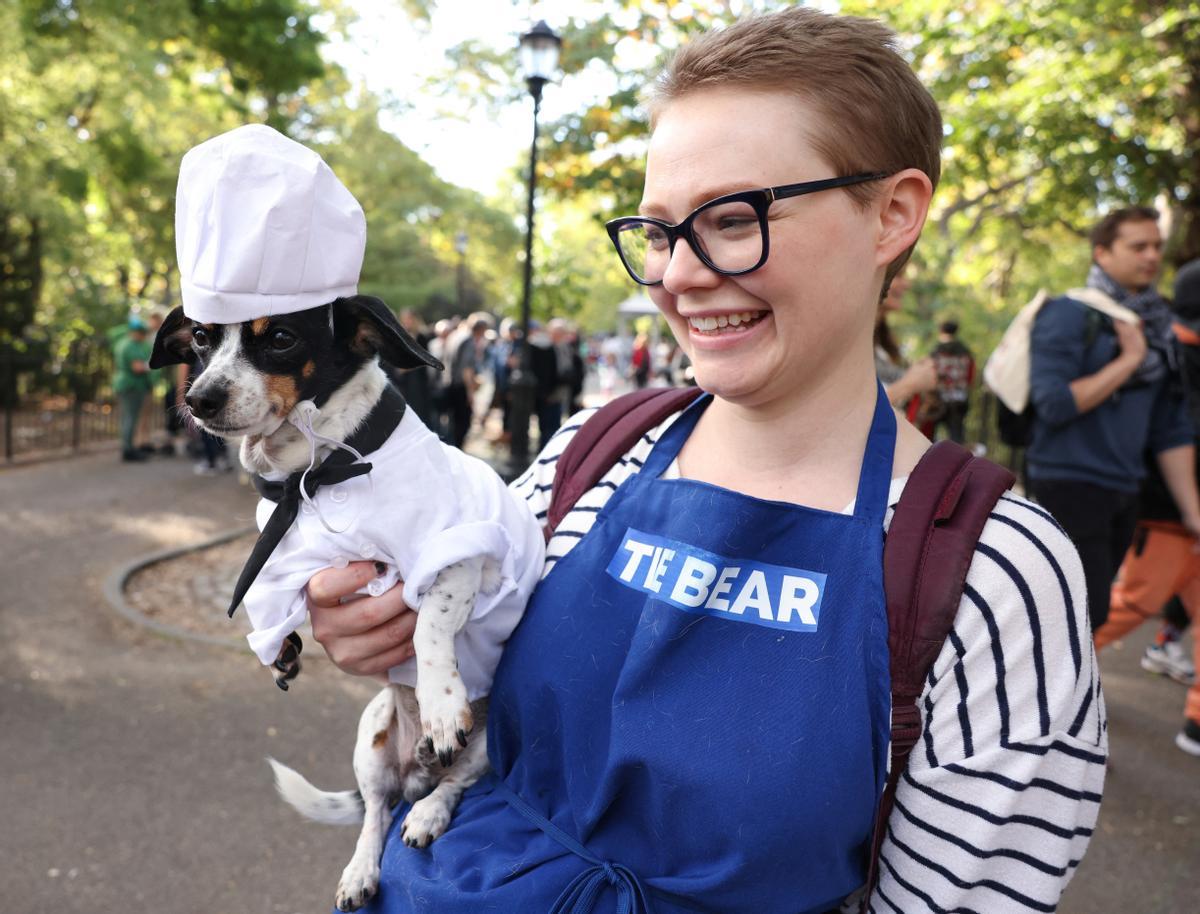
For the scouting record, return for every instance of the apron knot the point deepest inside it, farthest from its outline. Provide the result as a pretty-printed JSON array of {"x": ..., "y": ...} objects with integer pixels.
[
  {"x": 579, "y": 897},
  {"x": 581, "y": 893}
]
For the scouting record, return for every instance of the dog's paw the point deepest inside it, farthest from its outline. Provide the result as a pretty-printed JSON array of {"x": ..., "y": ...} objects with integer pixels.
[
  {"x": 357, "y": 886},
  {"x": 287, "y": 664},
  {"x": 426, "y": 820},
  {"x": 446, "y": 717}
]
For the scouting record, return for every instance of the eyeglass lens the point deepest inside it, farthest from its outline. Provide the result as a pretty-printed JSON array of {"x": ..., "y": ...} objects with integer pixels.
[{"x": 729, "y": 235}]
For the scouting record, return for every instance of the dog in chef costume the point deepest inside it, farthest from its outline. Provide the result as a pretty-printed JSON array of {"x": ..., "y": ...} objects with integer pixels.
[{"x": 270, "y": 245}]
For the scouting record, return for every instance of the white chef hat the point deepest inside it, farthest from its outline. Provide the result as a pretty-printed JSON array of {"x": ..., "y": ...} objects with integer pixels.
[{"x": 263, "y": 227}]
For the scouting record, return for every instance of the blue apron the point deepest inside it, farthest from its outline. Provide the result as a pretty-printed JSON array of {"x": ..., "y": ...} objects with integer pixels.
[{"x": 693, "y": 714}]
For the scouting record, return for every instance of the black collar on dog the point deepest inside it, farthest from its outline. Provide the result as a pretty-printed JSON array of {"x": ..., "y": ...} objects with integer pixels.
[{"x": 337, "y": 467}]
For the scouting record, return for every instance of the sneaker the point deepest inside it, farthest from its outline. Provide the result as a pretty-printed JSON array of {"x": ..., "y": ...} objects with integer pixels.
[
  {"x": 133, "y": 456},
  {"x": 1188, "y": 739},
  {"x": 203, "y": 469},
  {"x": 1169, "y": 659}
]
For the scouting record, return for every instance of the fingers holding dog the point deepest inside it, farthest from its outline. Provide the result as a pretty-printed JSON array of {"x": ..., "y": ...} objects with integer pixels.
[
  {"x": 366, "y": 636},
  {"x": 327, "y": 588}
]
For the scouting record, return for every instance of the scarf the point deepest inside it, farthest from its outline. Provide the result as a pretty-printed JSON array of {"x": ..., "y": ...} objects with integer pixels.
[{"x": 1162, "y": 359}]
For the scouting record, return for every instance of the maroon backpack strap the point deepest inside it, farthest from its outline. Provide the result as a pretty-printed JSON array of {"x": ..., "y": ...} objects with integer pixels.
[
  {"x": 930, "y": 543},
  {"x": 604, "y": 438}
]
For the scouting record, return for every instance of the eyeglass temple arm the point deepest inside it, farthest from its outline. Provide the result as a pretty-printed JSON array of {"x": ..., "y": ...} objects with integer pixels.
[{"x": 812, "y": 187}]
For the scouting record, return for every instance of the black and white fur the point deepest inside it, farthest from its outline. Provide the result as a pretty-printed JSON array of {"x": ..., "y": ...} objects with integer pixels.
[{"x": 426, "y": 745}]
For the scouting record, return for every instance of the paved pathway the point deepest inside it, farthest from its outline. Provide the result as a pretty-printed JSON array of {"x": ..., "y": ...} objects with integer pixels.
[{"x": 133, "y": 774}]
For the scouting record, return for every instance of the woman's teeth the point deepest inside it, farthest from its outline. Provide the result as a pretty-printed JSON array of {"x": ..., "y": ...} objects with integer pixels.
[{"x": 736, "y": 322}]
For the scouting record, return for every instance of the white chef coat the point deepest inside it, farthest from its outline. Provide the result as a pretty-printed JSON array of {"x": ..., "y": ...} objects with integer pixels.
[{"x": 423, "y": 506}]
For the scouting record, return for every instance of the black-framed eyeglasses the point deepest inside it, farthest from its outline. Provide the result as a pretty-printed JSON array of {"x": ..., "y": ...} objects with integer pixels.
[{"x": 728, "y": 234}]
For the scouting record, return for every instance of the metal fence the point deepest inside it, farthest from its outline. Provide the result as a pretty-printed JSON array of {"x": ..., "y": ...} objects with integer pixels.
[{"x": 49, "y": 407}]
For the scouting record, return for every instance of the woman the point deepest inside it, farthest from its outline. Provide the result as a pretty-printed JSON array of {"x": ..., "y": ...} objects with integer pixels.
[{"x": 649, "y": 758}]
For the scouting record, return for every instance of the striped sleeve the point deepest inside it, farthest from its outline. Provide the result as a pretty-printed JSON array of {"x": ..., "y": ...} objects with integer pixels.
[
  {"x": 1001, "y": 795},
  {"x": 536, "y": 483}
]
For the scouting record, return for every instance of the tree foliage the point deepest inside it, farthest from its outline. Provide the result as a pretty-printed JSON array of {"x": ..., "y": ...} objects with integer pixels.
[
  {"x": 1056, "y": 110},
  {"x": 99, "y": 99}
]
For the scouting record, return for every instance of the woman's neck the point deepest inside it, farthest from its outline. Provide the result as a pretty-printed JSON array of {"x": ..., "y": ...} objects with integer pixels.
[{"x": 805, "y": 449}]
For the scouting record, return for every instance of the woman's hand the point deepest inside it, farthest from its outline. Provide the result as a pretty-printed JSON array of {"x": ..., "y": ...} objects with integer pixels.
[{"x": 368, "y": 635}]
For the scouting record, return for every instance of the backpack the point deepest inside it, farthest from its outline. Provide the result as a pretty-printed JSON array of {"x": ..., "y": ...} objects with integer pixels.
[
  {"x": 1006, "y": 372},
  {"x": 929, "y": 547}
]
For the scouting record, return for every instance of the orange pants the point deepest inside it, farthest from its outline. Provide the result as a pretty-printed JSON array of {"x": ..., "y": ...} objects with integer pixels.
[{"x": 1160, "y": 563}]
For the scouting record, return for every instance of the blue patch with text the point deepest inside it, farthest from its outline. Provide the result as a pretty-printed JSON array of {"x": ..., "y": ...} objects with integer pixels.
[{"x": 707, "y": 584}]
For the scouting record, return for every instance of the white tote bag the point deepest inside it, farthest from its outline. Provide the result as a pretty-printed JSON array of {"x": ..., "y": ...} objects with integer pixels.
[{"x": 1006, "y": 373}]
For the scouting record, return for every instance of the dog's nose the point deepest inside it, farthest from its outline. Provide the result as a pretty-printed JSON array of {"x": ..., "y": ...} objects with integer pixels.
[{"x": 207, "y": 401}]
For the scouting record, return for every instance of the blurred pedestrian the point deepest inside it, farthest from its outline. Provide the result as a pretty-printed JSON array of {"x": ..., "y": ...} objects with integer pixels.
[
  {"x": 955, "y": 367},
  {"x": 131, "y": 383},
  {"x": 640, "y": 362},
  {"x": 466, "y": 357}
]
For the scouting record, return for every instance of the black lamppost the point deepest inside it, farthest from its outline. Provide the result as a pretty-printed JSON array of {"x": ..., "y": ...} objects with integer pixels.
[
  {"x": 539, "y": 59},
  {"x": 460, "y": 245}
]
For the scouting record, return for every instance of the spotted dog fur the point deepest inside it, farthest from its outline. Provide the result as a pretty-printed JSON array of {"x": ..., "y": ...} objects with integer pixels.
[{"x": 425, "y": 745}]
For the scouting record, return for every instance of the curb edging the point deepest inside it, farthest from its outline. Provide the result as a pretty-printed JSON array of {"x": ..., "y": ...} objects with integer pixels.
[{"x": 114, "y": 591}]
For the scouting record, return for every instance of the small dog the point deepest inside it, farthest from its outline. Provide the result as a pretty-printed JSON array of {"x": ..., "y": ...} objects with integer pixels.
[{"x": 424, "y": 745}]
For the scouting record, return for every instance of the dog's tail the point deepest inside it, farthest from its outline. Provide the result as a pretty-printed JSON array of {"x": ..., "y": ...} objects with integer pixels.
[{"x": 345, "y": 807}]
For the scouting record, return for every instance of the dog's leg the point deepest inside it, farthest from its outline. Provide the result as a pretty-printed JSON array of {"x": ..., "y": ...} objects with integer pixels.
[
  {"x": 429, "y": 816},
  {"x": 442, "y": 697},
  {"x": 377, "y": 768}
]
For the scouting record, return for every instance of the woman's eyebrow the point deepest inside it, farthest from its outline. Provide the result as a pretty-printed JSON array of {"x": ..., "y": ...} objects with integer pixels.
[{"x": 699, "y": 198}]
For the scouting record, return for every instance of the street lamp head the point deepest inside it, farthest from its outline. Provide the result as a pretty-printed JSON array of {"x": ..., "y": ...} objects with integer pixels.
[{"x": 539, "y": 55}]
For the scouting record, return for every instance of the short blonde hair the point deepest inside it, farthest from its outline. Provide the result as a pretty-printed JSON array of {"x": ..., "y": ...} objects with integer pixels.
[{"x": 876, "y": 114}]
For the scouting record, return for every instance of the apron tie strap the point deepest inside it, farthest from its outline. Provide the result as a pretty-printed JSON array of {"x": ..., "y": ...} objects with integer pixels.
[{"x": 581, "y": 893}]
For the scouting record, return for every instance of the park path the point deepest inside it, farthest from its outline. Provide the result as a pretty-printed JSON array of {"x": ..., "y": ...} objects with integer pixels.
[
  {"x": 132, "y": 765},
  {"x": 133, "y": 773}
]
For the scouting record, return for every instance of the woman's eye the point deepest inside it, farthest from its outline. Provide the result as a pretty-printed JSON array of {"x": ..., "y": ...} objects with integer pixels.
[
  {"x": 656, "y": 237},
  {"x": 200, "y": 338},
  {"x": 282, "y": 340},
  {"x": 736, "y": 223}
]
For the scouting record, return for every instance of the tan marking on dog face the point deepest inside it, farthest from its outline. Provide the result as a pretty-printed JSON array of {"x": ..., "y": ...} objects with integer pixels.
[
  {"x": 379, "y": 740},
  {"x": 259, "y": 327},
  {"x": 309, "y": 367},
  {"x": 282, "y": 393}
]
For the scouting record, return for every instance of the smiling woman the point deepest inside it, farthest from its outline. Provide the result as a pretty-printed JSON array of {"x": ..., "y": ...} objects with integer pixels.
[{"x": 695, "y": 711}]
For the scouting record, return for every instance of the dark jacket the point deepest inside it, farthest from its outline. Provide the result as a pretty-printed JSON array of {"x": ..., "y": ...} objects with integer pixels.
[{"x": 1105, "y": 446}]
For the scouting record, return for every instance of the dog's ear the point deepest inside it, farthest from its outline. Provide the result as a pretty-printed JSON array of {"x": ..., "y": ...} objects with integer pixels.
[
  {"x": 373, "y": 329},
  {"x": 173, "y": 342}
]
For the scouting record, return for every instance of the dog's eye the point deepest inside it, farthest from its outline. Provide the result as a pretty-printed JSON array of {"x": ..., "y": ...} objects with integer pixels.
[
  {"x": 282, "y": 340},
  {"x": 200, "y": 337}
]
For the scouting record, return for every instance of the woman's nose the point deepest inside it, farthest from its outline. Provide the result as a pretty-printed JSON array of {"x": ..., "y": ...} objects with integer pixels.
[{"x": 686, "y": 270}]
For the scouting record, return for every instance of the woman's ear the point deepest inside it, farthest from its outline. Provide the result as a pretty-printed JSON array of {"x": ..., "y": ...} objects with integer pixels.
[
  {"x": 902, "y": 209},
  {"x": 173, "y": 342},
  {"x": 371, "y": 328}
]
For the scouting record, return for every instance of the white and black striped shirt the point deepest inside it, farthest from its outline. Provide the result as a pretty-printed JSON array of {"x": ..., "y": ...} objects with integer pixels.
[{"x": 1001, "y": 795}]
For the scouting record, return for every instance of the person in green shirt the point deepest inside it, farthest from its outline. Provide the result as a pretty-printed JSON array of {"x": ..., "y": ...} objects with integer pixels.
[{"x": 131, "y": 383}]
